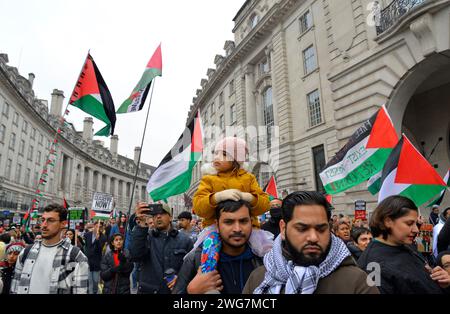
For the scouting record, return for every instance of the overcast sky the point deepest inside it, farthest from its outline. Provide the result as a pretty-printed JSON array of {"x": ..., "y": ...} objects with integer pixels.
[{"x": 51, "y": 38}]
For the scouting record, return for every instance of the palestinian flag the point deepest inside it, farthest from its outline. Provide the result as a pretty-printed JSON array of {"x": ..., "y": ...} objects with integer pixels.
[
  {"x": 137, "y": 98},
  {"x": 363, "y": 156},
  {"x": 93, "y": 97},
  {"x": 173, "y": 175},
  {"x": 438, "y": 200},
  {"x": 271, "y": 188},
  {"x": 408, "y": 173},
  {"x": 65, "y": 204}
]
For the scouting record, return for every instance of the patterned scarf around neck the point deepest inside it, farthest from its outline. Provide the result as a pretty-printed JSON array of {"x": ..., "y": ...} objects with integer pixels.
[{"x": 298, "y": 279}]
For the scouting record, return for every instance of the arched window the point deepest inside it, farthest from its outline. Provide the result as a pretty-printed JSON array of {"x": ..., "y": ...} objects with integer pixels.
[{"x": 268, "y": 114}]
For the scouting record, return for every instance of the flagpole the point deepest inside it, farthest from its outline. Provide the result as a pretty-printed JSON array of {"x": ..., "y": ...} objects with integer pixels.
[{"x": 139, "y": 158}]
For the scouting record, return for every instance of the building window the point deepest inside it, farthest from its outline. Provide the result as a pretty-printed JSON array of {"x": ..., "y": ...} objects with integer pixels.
[
  {"x": 25, "y": 127},
  {"x": 18, "y": 173},
  {"x": 221, "y": 122},
  {"x": 35, "y": 180},
  {"x": 221, "y": 101},
  {"x": 233, "y": 113},
  {"x": 2, "y": 133},
  {"x": 38, "y": 157},
  {"x": 315, "y": 114},
  {"x": 319, "y": 163},
  {"x": 305, "y": 22},
  {"x": 5, "y": 110},
  {"x": 8, "y": 169},
  {"x": 268, "y": 114},
  {"x": 254, "y": 21},
  {"x": 231, "y": 86},
  {"x": 309, "y": 59},
  {"x": 33, "y": 133},
  {"x": 12, "y": 141},
  {"x": 16, "y": 118},
  {"x": 22, "y": 147},
  {"x": 264, "y": 67},
  {"x": 26, "y": 179},
  {"x": 41, "y": 138},
  {"x": 30, "y": 153}
]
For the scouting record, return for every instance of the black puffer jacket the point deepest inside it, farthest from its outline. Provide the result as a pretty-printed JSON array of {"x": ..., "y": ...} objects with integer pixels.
[
  {"x": 402, "y": 270},
  {"x": 443, "y": 242},
  {"x": 156, "y": 252},
  {"x": 116, "y": 278}
]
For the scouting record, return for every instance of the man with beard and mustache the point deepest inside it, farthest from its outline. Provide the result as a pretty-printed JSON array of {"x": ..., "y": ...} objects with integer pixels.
[
  {"x": 306, "y": 257},
  {"x": 51, "y": 265},
  {"x": 236, "y": 259},
  {"x": 159, "y": 251}
]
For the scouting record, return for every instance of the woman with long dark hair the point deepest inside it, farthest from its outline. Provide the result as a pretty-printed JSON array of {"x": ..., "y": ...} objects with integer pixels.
[
  {"x": 116, "y": 267},
  {"x": 70, "y": 233},
  {"x": 391, "y": 258}
]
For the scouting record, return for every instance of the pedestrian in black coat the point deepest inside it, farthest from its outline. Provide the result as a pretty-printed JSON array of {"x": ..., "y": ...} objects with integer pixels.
[
  {"x": 391, "y": 259},
  {"x": 116, "y": 267}
]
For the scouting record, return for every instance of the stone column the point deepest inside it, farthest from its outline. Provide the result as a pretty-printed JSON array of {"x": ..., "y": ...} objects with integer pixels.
[
  {"x": 250, "y": 104},
  {"x": 108, "y": 184}
]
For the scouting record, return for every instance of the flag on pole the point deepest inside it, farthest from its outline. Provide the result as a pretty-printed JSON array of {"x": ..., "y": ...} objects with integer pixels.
[
  {"x": 93, "y": 97},
  {"x": 137, "y": 98},
  {"x": 173, "y": 175},
  {"x": 438, "y": 200},
  {"x": 65, "y": 204},
  {"x": 408, "y": 173},
  {"x": 363, "y": 156},
  {"x": 271, "y": 188}
]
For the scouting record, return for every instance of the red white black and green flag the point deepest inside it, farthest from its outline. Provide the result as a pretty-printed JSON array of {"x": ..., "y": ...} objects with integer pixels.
[
  {"x": 363, "y": 156},
  {"x": 438, "y": 200},
  {"x": 137, "y": 98},
  {"x": 408, "y": 173},
  {"x": 91, "y": 94},
  {"x": 174, "y": 173},
  {"x": 271, "y": 188}
]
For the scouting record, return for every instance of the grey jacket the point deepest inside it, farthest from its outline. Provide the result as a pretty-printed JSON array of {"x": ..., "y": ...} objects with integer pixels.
[{"x": 156, "y": 252}]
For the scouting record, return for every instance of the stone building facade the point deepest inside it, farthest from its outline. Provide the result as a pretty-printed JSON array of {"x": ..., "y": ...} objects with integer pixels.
[
  {"x": 309, "y": 72},
  {"x": 83, "y": 165}
]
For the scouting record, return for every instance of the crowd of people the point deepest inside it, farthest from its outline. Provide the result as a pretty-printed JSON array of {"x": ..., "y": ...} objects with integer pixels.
[{"x": 303, "y": 248}]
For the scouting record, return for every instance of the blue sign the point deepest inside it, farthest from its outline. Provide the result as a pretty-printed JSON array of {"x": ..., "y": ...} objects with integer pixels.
[{"x": 6, "y": 212}]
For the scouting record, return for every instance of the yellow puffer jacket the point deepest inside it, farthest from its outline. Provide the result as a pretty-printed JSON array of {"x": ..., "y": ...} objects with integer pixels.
[{"x": 205, "y": 205}]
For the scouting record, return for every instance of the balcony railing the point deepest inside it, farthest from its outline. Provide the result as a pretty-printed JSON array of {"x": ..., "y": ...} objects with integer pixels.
[{"x": 394, "y": 11}]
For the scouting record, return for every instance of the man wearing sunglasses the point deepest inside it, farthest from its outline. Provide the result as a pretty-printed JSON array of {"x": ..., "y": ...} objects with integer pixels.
[{"x": 51, "y": 265}]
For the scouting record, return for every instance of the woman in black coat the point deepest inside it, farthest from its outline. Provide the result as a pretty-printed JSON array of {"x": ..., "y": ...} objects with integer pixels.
[
  {"x": 391, "y": 258},
  {"x": 116, "y": 267}
]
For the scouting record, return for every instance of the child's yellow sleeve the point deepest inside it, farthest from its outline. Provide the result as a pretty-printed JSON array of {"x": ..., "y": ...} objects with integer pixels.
[
  {"x": 203, "y": 201},
  {"x": 261, "y": 204}
]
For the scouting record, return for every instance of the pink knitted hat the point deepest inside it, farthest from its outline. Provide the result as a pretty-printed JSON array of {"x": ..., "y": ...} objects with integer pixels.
[{"x": 233, "y": 146}]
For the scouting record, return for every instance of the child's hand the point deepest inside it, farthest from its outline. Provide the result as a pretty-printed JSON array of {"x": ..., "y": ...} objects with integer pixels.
[
  {"x": 230, "y": 194},
  {"x": 247, "y": 197}
]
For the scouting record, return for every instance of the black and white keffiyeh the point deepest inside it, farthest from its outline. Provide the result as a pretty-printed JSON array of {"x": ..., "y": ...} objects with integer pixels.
[{"x": 298, "y": 279}]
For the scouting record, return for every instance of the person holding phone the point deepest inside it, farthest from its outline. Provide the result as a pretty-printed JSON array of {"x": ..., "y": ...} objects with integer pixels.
[{"x": 159, "y": 251}]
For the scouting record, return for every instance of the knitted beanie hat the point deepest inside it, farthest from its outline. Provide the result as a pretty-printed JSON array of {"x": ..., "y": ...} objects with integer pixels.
[
  {"x": 235, "y": 147},
  {"x": 14, "y": 247}
]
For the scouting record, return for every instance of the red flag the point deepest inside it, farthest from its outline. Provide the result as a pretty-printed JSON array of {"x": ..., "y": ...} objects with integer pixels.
[
  {"x": 271, "y": 188},
  {"x": 66, "y": 205}
]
